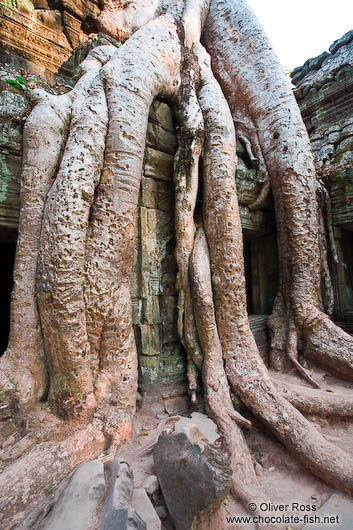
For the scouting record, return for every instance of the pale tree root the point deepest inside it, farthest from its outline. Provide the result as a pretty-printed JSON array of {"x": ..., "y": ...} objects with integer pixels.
[
  {"x": 329, "y": 345},
  {"x": 259, "y": 80},
  {"x": 77, "y": 205},
  {"x": 245, "y": 485},
  {"x": 186, "y": 180},
  {"x": 22, "y": 367},
  {"x": 315, "y": 402},
  {"x": 219, "y": 405},
  {"x": 62, "y": 254},
  {"x": 245, "y": 369},
  {"x": 24, "y": 482},
  {"x": 132, "y": 80},
  {"x": 115, "y": 199},
  {"x": 292, "y": 353}
]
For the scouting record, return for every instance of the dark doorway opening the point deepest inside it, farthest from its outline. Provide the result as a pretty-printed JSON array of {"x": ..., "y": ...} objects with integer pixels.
[
  {"x": 7, "y": 252},
  {"x": 248, "y": 276}
]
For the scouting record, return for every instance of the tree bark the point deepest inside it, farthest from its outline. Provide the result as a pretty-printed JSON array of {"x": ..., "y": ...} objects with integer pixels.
[
  {"x": 242, "y": 57},
  {"x": 78, "y": 232}
]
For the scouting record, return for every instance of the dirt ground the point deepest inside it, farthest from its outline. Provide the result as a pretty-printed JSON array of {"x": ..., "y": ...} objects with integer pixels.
[{"x": 283, "y": 479}]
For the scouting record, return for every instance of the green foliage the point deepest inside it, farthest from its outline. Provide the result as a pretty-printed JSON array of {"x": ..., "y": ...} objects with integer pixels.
[
  {"x": 48, "y": 489},
  {"x": 78, "y": 70},
  {"x": 19, "y": 83}
]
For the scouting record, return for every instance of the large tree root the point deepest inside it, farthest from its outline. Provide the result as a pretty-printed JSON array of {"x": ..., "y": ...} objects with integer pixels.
[
  {"x": 246, "y": 372},
  {"x": 24, "y": 481},
  {"x": 186, "y": 180},
  {"x": 229, "y": 36},
  {"x": 80, "y": 202},
  {"x": 217, "y": 394},
  {"x": 316, "y": 402},
  {"x": 62, "y": 254},
  {"x": 22, "y": 368}
]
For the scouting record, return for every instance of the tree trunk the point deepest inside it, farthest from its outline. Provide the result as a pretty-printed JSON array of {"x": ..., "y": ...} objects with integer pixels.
[
  {"x": 243, "y": 58},
  {"x": 82, "y": 167}
]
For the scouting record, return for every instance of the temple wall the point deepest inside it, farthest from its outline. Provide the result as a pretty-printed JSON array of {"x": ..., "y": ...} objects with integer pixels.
[{"x": 324, "y": 91}]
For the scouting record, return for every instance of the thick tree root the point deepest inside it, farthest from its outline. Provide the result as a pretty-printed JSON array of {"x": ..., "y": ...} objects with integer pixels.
[
  {"x": 244, "y": 367},
  {"x": 186, "y": 180},
  {"x": 135, "y": 80},
  {"x": 263, "y": 196},
  {"x": 62, "y": 255},
  {"x": 44, "y": 139},
  {"x": 24, "y": 481},
  {"x": 315, "y": 402},
  {"x": 329, "y": 345},
  {"x": 237, "y": 62},
  {"x": 88, "y": 239}
]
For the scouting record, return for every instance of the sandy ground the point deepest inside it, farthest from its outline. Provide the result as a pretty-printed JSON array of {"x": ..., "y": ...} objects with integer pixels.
[{"x": 283, "y": 479}]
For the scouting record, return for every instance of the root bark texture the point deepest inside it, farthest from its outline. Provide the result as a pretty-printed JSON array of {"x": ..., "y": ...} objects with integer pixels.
[
  {"x": 82, "y": 168},
  {"x": 229, "y": 36}
]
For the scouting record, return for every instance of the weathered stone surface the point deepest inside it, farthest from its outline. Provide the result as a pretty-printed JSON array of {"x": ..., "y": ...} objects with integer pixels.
[
  {"x": 158, "y": 165},
  {"x": 324, "y": 92},
  {"x": 13, "y": 106},
  {"x": 206, "y": 426},
  {"x": 46, "y": 47},
  {"x": 151, "y": 485},
  {"x": 255, "y": 223},
  {"x": 192, "y": 475},
  {"x": 117, "y": 513},
  {"x": 78, "y": 504},
  {"x": 124, "y": 519},
  {"x": 144, "y": 508}
]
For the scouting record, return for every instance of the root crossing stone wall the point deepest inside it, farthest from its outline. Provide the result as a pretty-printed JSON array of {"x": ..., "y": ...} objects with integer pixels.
[{"x": 324, "y": 90}]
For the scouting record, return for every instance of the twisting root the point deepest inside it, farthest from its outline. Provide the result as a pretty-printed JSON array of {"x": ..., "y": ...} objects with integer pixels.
[
  {"x": 135, "y": 79},
  {"x": 44, "y": 139},
  {"x": 23, "y": 482},
  {"x": 62, "y": 254},
  {"x": 292, "y": 352},
  {"x": 245, "y": 369},
  {"x": 326, "y": 281},
  {"x": 329, "y": 223},
  {"x": 316, "y": 402},
  {"x": 186, "y": 180},
  {"x": 219, "y": 405},
  {"x": 264, "y": 193}
]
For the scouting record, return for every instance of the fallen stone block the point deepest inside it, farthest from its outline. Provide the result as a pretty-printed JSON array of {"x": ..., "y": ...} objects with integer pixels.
[
  {"x": 145, "y": 509},
  {"x": 193, "y": 475}
]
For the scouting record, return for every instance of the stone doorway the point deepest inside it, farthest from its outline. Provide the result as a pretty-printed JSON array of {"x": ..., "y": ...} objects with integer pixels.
[{"x": 7, "y": 252}]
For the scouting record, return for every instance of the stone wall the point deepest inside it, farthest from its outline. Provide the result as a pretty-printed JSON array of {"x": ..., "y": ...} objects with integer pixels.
[
  {"x": 40, "y": 35},
  {"x": 324, "y": 91}
]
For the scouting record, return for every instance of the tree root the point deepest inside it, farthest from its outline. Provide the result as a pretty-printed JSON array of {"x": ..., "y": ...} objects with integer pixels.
[
  {"x": 219, "y": 406},
  {"x": 264, "y": 194},
  {"x": 24, "y": 481},
  {"x": 83, "y": 293},
  {"x": 315, "y": 402},
  {"x": 186, "y": 180},
  {"x": 244, "y": 367},
  {"x": 44, "y": 139},
  {"x": 329, "y": 345}
]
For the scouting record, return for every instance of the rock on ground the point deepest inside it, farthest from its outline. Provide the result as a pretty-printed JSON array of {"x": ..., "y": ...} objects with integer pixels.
[{"x": 193, "y": 475}]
